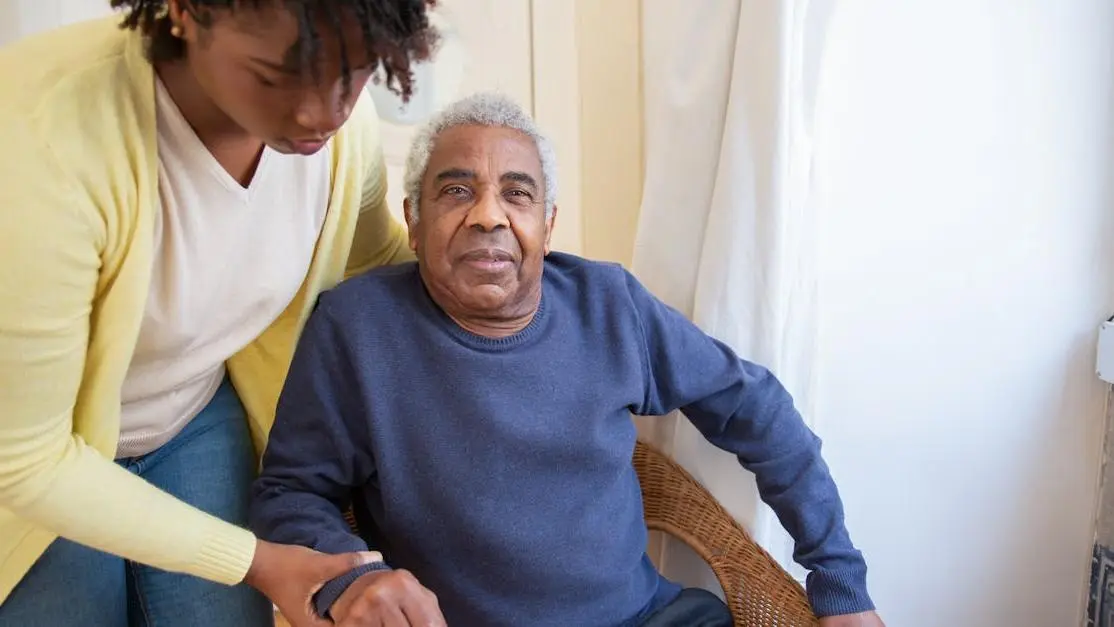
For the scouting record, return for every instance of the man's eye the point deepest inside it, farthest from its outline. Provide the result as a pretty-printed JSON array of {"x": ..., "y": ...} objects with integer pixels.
[{"x": 455, "y": 190}]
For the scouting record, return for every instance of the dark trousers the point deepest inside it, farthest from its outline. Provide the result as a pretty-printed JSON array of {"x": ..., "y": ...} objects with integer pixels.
[{"x": 692, "y": 608}]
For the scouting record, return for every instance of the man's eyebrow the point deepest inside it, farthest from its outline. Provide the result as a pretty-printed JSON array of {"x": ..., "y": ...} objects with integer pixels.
[
  {"x": 455, "y": 174},
  {"x": 520, "y": 177}
]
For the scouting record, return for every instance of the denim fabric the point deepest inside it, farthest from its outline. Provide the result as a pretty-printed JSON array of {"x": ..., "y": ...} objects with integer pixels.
[
  {"x": 692, "y": 608},
  {"x": 210, "y": 465}
]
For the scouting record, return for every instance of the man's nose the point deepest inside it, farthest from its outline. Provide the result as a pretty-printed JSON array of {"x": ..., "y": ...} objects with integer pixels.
[{"x": 487, "y": 214}]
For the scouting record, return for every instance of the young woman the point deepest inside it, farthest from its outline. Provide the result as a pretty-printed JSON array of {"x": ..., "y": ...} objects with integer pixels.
[{"x": 175, "y": 194}]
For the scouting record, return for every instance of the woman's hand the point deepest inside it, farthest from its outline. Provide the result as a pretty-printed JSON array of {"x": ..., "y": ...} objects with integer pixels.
[{"x": 290, "y": 575}]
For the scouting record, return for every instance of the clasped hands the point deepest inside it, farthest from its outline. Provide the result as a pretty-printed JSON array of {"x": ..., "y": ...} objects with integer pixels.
[{"x": 290, "y": 575}]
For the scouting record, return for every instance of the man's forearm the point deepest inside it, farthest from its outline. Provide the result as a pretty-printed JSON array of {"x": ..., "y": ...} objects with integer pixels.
[
  {"x": 770, "y": 439},
  {"x": 288, "y": 517},
  {"x": 313, "y": 459},
  {"x": 741, "y": 407}
]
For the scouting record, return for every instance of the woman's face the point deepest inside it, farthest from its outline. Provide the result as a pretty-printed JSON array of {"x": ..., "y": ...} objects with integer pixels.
[{"x": 250, "y": 65}]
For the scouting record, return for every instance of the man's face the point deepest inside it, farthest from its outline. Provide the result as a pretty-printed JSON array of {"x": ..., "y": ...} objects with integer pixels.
[
  {"x": 249, "y": 65},
  {"x": 482, "y": 234}
]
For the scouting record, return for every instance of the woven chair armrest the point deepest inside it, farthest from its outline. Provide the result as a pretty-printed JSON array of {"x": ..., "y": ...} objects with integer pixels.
[{"x": 758, "y": 590}]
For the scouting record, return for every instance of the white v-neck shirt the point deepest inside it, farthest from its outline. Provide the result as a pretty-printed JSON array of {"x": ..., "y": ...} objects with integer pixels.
[{"x": 228, "y": 260}]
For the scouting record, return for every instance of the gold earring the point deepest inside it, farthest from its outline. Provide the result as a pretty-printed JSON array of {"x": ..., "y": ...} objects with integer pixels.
[{"x": 176, "y": 31}]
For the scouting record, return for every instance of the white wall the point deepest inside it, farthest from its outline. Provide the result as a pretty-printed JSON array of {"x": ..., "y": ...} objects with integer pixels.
[
  {"x": 23, "y": 17},
  {"x": 964, "y": 164}
]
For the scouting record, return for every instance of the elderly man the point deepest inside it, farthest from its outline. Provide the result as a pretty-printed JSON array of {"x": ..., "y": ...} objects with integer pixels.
[{"x": 474, "y": 410}]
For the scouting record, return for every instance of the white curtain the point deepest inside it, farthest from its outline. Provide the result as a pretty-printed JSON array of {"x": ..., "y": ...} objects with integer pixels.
[{"x": 726, "y": 229}]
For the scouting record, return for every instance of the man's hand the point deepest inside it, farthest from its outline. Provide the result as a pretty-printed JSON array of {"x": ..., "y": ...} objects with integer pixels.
[
  {"x": 866, "y": 619},
  {"x": 387, "y": 598},
  {"x": 290, "y": 575}
]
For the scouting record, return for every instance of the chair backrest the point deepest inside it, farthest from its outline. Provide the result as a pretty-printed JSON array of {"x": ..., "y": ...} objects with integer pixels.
[{"x": 757, "y": 589}]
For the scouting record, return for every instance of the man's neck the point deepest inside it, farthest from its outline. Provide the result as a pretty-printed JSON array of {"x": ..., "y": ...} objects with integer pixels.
[
  {"x": 494, "y": 325},
  {"x": 493, "y": 328}
]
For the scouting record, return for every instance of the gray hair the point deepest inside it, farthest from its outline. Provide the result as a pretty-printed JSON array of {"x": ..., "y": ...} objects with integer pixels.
[{"x": 482, "y": 109}]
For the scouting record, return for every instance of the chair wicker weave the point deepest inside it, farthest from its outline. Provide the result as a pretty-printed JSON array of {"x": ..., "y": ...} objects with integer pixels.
[
  {"x": 759, "y": 592},
  {"x": 757, "y": 589}
]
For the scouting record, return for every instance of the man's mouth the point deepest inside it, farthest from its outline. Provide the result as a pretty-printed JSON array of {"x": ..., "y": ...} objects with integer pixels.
[{"x": 488, "y": 259}]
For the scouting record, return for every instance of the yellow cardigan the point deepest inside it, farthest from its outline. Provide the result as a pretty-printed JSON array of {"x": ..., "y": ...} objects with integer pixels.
[{"x": 79, "y": 190}]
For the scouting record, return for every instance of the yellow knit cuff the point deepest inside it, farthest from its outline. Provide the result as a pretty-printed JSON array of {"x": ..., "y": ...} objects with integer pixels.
[{"x": 226, "y": 555}]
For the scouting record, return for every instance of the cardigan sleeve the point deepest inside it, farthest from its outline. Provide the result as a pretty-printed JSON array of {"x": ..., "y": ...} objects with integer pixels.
[
  {"x": 380, "y": 238},
  {"x": 52, "y": 244}
]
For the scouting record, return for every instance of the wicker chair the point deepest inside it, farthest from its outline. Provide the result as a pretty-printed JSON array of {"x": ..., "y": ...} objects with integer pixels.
[{"x": 759, "y": 592}]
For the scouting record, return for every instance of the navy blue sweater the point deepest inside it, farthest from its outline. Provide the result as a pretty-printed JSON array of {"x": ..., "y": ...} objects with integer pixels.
[{"x": 498, "y": 471}]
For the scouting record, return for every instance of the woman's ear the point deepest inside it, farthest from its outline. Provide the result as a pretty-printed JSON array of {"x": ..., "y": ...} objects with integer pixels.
[{"x": 182, "y": 22}]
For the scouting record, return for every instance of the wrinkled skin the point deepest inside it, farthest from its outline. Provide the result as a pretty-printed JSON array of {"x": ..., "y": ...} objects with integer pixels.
[{"x": 482, "y": 234}]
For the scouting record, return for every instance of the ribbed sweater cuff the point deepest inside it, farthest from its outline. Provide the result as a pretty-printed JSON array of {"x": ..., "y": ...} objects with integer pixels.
[
  {"x": 834, "y": 593},
  {"x": 331, "y": 591},
  {"x": 225, "y": 555}
]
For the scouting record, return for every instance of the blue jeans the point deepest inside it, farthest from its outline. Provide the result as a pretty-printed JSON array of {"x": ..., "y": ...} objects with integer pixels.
[
  {"x": 209, "y": 465},
  {"x": 694, "y": 607}
]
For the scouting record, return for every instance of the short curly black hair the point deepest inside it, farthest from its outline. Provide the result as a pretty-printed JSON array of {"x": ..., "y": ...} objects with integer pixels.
[{"x": 396, "y": 32}]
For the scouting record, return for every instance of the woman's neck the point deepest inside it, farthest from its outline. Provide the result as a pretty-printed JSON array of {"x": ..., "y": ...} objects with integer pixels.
[
  {"x": 207, "y": 120},
  {"x": 236, "y": 151}
]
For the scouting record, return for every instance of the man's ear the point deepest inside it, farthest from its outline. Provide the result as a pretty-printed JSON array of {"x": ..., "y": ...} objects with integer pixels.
[
  {"x": 411, "y": 223},
  {"x": 549, "y": 222}
]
